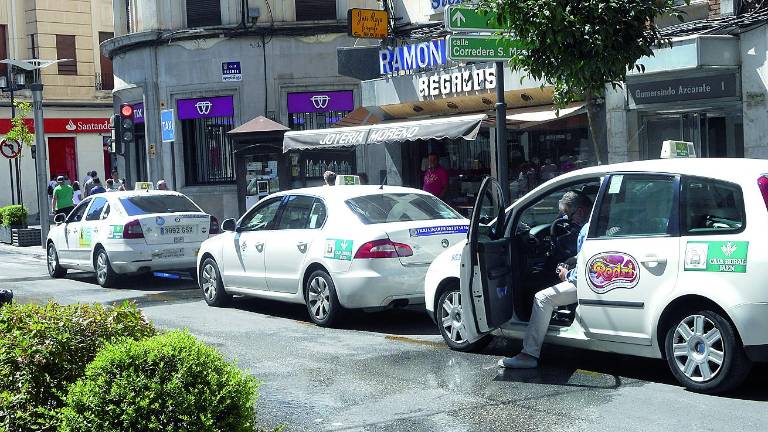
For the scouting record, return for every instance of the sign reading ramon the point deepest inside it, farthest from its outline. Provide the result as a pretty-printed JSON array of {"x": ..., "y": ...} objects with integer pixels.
[
  {"x": 413, "y": 56},
  {"x": 684, "y": 89}
]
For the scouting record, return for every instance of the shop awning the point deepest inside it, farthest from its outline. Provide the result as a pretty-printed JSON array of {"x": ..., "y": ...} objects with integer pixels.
[
  {"x": 465, "y": 127},
  {"x": 544, "y": 113}
]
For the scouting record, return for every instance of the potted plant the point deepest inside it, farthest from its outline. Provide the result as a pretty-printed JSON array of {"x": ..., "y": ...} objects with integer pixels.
[{"x": 5, "y": 232}]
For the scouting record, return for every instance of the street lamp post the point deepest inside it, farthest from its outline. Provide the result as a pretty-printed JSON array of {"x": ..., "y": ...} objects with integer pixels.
[{"x": 11, "y": 83}]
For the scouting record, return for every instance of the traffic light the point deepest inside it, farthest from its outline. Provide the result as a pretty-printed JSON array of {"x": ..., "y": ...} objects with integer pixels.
[{"x": 124, "y": 132}]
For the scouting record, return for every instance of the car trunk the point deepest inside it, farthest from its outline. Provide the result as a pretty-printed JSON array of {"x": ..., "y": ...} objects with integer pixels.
[
  {"x": 428, "y": 239},
  {"x": 175, "y": 228}
]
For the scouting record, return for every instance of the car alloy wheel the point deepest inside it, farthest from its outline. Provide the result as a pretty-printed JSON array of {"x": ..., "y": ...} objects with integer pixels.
[
  {"x": 52, "y": 259},
  {"x": 319, "y": 298},
  {"x": 102, "y": 267},
  {"x": 208, "y": 281},
  {"x": 698, "y": 348},
  {"x": 451, "y": 317}
]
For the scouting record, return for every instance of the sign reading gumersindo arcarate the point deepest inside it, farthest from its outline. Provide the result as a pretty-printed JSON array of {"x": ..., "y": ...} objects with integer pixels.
[{"x": 717, "y": 256}]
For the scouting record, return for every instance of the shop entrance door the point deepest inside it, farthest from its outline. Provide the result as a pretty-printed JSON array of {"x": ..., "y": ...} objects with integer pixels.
[
  {"x": 140, "y": 158},
  {"x": 62, "y": 157},
  {"x": 713, "y": 133}
]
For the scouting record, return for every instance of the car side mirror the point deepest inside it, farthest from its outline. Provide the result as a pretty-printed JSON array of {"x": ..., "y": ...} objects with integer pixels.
[
  {"x": 228, "y": 225},
  {"x": 60, "y": 218}
]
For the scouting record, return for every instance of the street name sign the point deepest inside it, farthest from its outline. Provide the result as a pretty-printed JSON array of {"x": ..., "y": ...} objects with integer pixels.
[
  {"x": 467, "y": 19},
  {"x": 483, "y": 48}
]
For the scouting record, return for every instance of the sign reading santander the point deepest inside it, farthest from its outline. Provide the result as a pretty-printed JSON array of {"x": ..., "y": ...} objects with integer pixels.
[{"x": 65, "y": 125}]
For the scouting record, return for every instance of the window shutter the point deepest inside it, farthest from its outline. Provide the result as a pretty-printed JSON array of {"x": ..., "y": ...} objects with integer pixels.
[
  {"x": 203, "y": 13},
  {"x": 3, "y": 49},
  {"x": 315, "y": 10},
  {"x": 66, "y": 49},
  {"x": 107, "y": 77}
]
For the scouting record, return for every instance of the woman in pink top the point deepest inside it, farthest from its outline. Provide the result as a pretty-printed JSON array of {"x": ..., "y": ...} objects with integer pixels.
[{"x": 435, "y": 177}]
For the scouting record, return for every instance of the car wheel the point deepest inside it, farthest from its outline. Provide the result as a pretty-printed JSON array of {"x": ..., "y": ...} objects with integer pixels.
[
  {"x": 705, "y": 354},
  {"x": 105, "y": 275},
  {"x": 322, "y": 303},
  {"x": 211, "y": 284},
  {"x": 450, "y": 320},
  {"x": 55, "y": 270}
]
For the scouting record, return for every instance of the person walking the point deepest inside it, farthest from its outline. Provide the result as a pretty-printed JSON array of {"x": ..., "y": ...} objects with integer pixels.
[
  {"x": 97, "y": 187},
  {"x": 435, "y": 177},
  {"x": 111, "y": 186},
  {"x": 161, "y": 185},
  {"x": 62, "y": 201},
  {"x": 89, "y": 184},
  {"x": 78, "y": 194}
]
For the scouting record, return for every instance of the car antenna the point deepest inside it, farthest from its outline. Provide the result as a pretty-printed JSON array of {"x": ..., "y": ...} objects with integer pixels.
[{"x": 384, "y": 181}]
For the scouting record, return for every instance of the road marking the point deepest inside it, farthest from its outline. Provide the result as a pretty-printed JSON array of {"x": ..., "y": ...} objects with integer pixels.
[{"x": 415, "y": 341}]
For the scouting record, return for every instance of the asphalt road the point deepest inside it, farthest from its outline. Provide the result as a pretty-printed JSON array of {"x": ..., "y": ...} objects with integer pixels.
[{"x": 389, "y": 371}]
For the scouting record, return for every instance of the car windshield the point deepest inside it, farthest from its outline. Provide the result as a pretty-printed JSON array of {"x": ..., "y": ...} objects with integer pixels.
[
  {"x": 149, "y": 204},
  {"x": 402, "y": 207}
]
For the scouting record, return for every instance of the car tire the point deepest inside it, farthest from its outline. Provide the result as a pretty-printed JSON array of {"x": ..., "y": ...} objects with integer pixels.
[
  {"x": 696, "y": 342},
  {"x": 449, "y": 319},
  {"x": 322, "y": 302},
  {"x": 105, "y": 274},
  {"x": 211, "y": 285},
  {"x": 55, "y": 270}
]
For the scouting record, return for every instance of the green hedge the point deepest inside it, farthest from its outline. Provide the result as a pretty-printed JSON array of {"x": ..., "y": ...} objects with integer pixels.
[
  {"x": 45, "y": 348},
  {"x": 14, "y": 215},
  {"x": 170, "y": 382}
]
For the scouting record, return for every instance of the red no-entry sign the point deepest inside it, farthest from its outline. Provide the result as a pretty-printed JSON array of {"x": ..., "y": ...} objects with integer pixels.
[{"x": 10, "y": 149}]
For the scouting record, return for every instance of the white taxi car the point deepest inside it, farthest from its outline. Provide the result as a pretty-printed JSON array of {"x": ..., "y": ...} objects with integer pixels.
[
  {"x": 674, "y": 266},
  {"x": 332, "y": 248},
  {"x": 118, "y": 233}
]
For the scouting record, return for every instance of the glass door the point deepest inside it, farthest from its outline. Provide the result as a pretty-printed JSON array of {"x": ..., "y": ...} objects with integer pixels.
[{"x": 657, "y": 128}]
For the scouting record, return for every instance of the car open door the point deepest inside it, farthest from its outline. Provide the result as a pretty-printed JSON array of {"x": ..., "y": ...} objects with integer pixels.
[{"x": 487, "y": 274}]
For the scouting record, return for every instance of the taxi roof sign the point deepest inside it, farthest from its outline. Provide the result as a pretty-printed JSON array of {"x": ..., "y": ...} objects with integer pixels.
[
  {"x": 144, "y": 186},
  {"x": 677, "y": 149},
  {"x": 347, "y": 180}
]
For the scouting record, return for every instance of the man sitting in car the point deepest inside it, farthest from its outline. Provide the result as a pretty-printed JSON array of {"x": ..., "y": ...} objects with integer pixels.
[{"x": 576, "y": 207}]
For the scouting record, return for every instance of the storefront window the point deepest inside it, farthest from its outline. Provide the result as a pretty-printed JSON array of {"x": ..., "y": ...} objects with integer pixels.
[
  {"x": 318, "y": 110},
  {"x": 309, "y": 121},
  {"x": 208, "y": 152}
]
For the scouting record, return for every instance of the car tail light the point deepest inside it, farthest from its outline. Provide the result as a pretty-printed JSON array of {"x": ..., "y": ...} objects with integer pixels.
[
  {"x": 762, "y": 182},
  {"x": 132, "y": 230},
  {"x": 214, "y": 228},
  {"x": 383, "y": 249}
]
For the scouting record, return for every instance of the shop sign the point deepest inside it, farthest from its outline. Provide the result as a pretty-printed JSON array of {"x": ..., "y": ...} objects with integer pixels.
[
  {"x": 190, "y": 109},
  {"x": 231, "y": 71},
  {"x": 367, "y": 23},
  {"x": 457, "y": 82},
  {"x": 413, "y": 56},
  {"x": 684, "y": 89},
  {"x": 138, "y": 113},
  {"x": 318, "y": 102},
  {"x": 440, "y": 5},
  {"x": 66, "y": 125}
]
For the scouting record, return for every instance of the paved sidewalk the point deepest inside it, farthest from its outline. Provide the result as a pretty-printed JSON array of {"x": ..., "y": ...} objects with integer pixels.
[{"x": 28, "y": 250}]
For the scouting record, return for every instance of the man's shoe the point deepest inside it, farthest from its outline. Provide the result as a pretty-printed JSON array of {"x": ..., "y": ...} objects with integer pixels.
[{"x": 520, "y": 361}]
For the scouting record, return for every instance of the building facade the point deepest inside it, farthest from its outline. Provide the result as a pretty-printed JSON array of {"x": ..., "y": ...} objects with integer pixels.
[
  {"x": 77, "y": 92},
  {"x": 219, "y": 64}
]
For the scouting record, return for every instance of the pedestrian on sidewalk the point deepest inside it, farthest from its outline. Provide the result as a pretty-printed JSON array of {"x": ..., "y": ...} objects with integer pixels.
[
  {"x": 62, "y": 201},
  {"x": 97, "y": 187},
  {"x": 111, "y": 186},
  {"x": 161, "y": 185},
  {"x": 78, "y": 194},
  {"x": 89, "y": 184}
]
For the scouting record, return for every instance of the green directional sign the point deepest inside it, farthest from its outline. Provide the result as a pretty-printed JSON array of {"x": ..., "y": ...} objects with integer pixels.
[
  {"x": 467, "y": 19},
  {"x": 483, "y": 48}
]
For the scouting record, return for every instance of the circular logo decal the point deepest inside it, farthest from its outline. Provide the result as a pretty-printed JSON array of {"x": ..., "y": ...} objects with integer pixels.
[
  {"x": 445, "y": 243},
  {"x": 610, "y": 270},
  {"x": 160, "y": 220}
]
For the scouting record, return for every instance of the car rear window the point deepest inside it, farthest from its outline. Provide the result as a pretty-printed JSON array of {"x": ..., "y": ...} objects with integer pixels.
[
  {"x": 149, "y": 204},
  {"x": 402, "y": 207}
]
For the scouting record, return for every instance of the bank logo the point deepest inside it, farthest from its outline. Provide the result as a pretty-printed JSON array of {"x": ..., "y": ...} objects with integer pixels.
[
  {"x": 204, "y": 107},
  {"x": 728, "y": 249},
  {"x": 70, "y": 126},
  {"x": 320, "y": 101}
]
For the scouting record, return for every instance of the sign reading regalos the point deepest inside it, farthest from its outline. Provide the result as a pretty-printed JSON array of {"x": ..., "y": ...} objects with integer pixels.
[
  {"x": 607, "y": 271},
  {"x": 457, "y": 82},
  {"x": 413, "y": 56}
]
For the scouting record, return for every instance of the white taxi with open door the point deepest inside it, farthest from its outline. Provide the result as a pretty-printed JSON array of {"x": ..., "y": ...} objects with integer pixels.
[{"x": 674, "y": 266}]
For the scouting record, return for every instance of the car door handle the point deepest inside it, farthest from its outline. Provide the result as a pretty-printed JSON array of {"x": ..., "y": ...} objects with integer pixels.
[
  {"x": 653, "y": 260},
  {"x": 260, "y": 247}
]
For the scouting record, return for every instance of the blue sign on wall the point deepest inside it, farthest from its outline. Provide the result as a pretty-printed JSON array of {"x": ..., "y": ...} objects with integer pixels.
[
  {"x": 414, "y": 56},
  {"x": 167, "y": 125},
  {"x": 231, "y": 71}
]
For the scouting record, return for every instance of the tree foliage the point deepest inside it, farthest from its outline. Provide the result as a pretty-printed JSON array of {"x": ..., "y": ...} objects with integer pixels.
[
  {"x": 19, "y": 130},
  {"x": 579, "y": 46}
]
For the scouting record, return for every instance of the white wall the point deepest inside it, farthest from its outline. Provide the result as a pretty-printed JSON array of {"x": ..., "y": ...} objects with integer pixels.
[{"x": 754, "y": 87}]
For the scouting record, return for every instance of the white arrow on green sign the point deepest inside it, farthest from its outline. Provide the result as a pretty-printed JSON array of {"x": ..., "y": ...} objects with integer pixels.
[
  {"x": 483, "y": 48},
  {"x": 467, "y": 19}
]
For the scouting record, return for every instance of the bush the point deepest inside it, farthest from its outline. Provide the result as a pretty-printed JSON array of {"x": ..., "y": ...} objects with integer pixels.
[
  {"x": 170, "y": 382},
  {"x": 15, "y": 215},
  {"x": 45, "y": 348}
]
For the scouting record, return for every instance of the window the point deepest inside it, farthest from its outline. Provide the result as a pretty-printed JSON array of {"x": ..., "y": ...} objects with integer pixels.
[
  {"x": 711, "y": 207},
  {"x": 3, "y": 49},
  {"x": 302, "y": 212},
  {"x": 105, "y": 214},
  {"x": 77, "y": 214},
  {"x": 106, "y": 80},
  {"x": 203, "y": 13},
  {"x": 261, "y": 217},
  {"x": 66, "y": 49},
  {"x": 636, "y": 205},
  {"x": 96, "y": 208},
  {"x": 386, "y": 208},
  {"x": 315, "y": 10},
  {"x": 150, "y": 204},
  {"x": 547, "y": 209},
  {"x": 208, "y": 152}
]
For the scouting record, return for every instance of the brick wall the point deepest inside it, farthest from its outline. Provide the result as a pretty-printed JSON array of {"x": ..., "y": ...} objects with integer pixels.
[{"x": 714, "y": 8}]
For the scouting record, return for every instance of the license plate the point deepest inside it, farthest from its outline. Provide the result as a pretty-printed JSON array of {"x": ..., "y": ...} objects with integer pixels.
[{"x": 176, "y": 230}]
